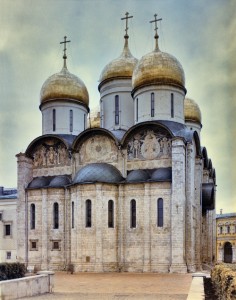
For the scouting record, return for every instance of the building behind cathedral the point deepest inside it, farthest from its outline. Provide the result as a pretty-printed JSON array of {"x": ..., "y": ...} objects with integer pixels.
[{"x": 134, "y": 190}]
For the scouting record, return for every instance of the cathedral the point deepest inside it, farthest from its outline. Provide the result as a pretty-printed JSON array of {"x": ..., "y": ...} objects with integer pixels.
[{"x": 130, "y": 190}]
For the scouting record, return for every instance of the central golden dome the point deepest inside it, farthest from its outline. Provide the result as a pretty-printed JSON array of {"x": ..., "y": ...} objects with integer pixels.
[
  {"x": 158, "y": 68},
  {"x": 192, "y": 111},
  {"x": 64, "y": 85},
  {"x": 121, "y": 67}
]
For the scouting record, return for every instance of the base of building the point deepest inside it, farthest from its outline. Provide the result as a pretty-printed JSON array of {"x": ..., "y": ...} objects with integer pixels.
[{"x": 178, "y": 268}]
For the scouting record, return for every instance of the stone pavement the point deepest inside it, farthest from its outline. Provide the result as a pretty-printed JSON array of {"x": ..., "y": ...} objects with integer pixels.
[{"x": 106, "y": 286}]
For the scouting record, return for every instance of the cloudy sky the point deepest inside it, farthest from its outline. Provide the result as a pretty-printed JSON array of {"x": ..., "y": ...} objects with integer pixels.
[{"x": 199, "y": 33}]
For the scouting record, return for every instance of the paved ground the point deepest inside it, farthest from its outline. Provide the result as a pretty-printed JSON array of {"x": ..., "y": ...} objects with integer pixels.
[{"x": 93, "y": 286}]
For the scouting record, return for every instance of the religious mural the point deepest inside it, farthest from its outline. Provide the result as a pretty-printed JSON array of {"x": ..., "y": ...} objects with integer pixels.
[
  {"x": 99, "y": 149},
  {"x": 148, "y": 144},
  {"x": 50, "y": 154}
]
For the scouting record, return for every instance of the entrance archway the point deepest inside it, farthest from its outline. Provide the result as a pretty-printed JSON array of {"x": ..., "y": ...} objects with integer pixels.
[{"x": 228, "y": 253}]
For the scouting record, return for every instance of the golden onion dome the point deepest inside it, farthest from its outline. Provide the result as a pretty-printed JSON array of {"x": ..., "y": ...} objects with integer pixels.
[
  {"x": 192, "y": 111},
  {"x": 121, "y": 67},
  {"x": 64, "y": 85},
  {"x": 158, "y": 68}
]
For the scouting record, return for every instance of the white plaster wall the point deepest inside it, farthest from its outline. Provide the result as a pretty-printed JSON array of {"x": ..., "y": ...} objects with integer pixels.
[
  {"x": 162, "y": 96},
  {"x": 8, "y": 243},
  {"x": 63, "y": 117},
  {"x": 122, "y": 88}
]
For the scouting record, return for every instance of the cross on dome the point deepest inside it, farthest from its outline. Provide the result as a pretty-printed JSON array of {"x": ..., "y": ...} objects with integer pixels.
[
  {"x": 64, "y": 50},
  {"x": 156, "y": 34},
  {"x": 126, "y": 26}
]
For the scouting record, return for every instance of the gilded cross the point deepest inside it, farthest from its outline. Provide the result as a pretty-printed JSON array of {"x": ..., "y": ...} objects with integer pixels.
[
  {"x": 156, "y": 20},
  {"x": 126, "y": 26},
  {"x": 65, "y": 42}
]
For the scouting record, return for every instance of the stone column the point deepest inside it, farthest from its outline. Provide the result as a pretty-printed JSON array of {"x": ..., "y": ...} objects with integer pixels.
[
  {"x": 67, "y": 224},
  {"x": 189, "y": 224},
  {"x": 146, "y": 229},
  {"x": 45, "y": 238},
  {"x": 24, "y": 176},
  {"x": 178, "y": 263},
  {"x": 198, "y": 203},
  {"x": 98, "y": 207}
]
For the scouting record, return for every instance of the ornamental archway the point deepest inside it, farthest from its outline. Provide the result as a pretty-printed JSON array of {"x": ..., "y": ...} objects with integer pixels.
[{"x": 228, "y": 253}]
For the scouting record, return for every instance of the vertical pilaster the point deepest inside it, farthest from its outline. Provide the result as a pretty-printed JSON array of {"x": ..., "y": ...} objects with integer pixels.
[
  {"x": 45, "y": 237},
  {"x": 189, "y": 224},
  {"x": 198, "y": 203},
  {"x": 24, "y": 176},
  {"x": 120, "y": 224},
  {"x": 178, "y": 263},
  {"x": 99, "y": 228},
  {"x": 67, "y": 224},
  {"x": 146, "y": 229}
]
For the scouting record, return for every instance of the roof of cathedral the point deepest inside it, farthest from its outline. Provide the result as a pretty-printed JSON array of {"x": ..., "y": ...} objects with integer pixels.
[
  {"x": 144, "y": 175},
  {"x": 50, "y": 181},
  {"x": 192, "y": 111},
  {"x": 228, "y": 215},
  {"x": 121, "y": 67},
  {"x": 64, "y": 86},
  {"x": 98, "y": 172}
]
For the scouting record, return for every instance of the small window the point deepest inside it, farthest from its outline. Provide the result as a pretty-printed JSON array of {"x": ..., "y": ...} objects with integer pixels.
[
  {"x": 88, "y": 213},
  {"x": 172, "y": 105},
  {"x": 133, "y": 214},
  {"x": 55, "y": 215},
  {"x": 32, "y": 216},
  {"x": 117, "y": 110},
  {"x": 8, "y": 255},
  {"x": 54, "y": 120},
  {"x": 87, "y": 258},
  {"x": 137, "y": 109},
  {"x": 34, "y": 245},
  {"x": 152, "y": 105},
  {"x": 72, "y": 214},
  {"x": 56, "y": 245},
  {"x": 110, "y": 214},
  {"x": 1, "y": 216},
  {"x": 7, "y": 230},
  {"x": 71, "y": 120},
  {"x": 228, "y": 229},
  {"x": 221, "y": 229},
  {"x": 160, "y": 212}
]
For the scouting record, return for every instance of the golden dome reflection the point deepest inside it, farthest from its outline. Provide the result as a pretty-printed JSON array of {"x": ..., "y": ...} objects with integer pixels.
[
  {"x": 121, "y": 67},
  {"x": 192, "y": 111},
  {"x": 64, "y": 85},
  {"x": 158, "y": 68}
]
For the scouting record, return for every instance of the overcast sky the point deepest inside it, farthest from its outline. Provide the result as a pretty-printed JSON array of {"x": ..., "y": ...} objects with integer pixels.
[{"x": 200, "y": 34}]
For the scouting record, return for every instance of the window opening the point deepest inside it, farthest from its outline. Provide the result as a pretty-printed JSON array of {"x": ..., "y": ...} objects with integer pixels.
[
  {"x": 8, "y": 255},
  {"x": 172, "y": 105},
  {"x": 110, "y": 214},
  {"x": 116, "y": 110},
  {"x": 152, "y": 105},
  {"x": 71, "y": 120},
  {"x": 137, "y": 109},
  {"x": 133, "y": 214},
  {"x": 7, "y": 229},
  {"x": 72, "y": 215},
  {"x": 54, "y": 120},
  {"x": 32, "y": 216},
  {"x": 160, "y": 212},
  {"x": 55, "y": 215},
  {"x": 88, "y": 207}
]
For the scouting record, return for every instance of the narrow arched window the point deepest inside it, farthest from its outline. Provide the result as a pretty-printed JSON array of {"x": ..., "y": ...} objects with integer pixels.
[
  {"x": 55, "y": 215},
  {"x": 71, "y": 120},
  {"x": 54, "y": 120},
  {"x": 32, "y": 216},
  {"x": 72, "y": 214},
  {"x": 117, "y": 110},
  {"x": 152, "y": 105},
  {"x": 88, "y": 213},
  {"x": 137, "y": 109},
  {"x": 172, "y": 105},
  {"x": 228, "y": 229},
  {"x": 221, "y": 229},
  {"x": 160, "y": 212},
  {"x": 110, "y": 214},
  {"x": 133, "y": 214}
]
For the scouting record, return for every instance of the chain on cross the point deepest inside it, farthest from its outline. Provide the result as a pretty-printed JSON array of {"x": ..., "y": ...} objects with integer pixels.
[{"x": 126, "y": 26}]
